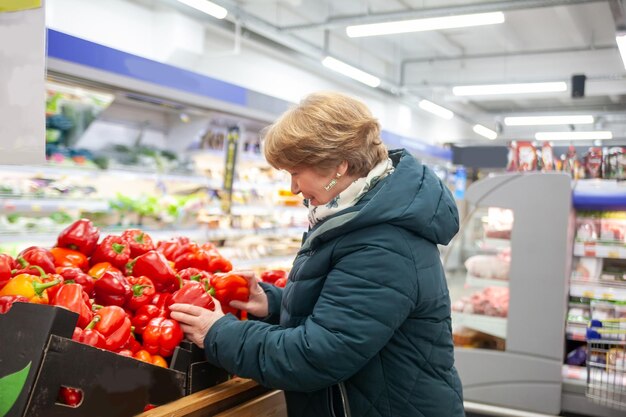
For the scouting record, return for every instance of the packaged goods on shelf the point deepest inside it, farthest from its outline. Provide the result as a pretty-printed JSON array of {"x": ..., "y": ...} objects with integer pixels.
[
  {"x": 464, "y": 337},
  {"x": 488, "y": 266},
  {"x": 491, "y": 301},
  {"x": 587, "y": 269}
]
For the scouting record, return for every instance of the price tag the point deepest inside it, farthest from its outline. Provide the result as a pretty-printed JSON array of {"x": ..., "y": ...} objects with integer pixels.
[
  {"x": 588, "y": 294},
  {"x": 36, "y": 208},
  {"x": 607, "y": 296},
  {"x": 613, "y": 254}
]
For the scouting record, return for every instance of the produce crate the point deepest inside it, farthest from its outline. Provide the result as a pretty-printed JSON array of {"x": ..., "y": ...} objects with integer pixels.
[{"x": 38, "y": 356}]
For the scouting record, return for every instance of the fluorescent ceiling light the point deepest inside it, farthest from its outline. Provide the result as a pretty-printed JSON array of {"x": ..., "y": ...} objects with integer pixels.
[
  {"x": 621, "y": 44},
  {"x": 483, "y": 131},
  {"x": 350, "y": 71},
  {"x": 435, "y": 109},
  {"x": 421, "y": 25},
  {"x": 207, "y": 7},
  {"x": 548, "y": 120},
  {"x": 596, "y": 135},
  {"x": 490, "y": 89}
]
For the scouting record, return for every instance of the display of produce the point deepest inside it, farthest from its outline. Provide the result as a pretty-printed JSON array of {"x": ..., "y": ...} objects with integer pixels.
[{"x": 121, "y": 287}]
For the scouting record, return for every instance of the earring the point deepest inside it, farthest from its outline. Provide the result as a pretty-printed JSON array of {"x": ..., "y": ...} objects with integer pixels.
[{"x": 332, "y": 182}]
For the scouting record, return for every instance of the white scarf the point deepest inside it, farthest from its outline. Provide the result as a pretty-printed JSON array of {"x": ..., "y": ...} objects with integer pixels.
[{"x": 351, "y": 195}]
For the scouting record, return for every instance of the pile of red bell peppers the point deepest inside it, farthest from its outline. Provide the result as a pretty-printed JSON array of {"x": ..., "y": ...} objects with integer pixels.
[{"x": 121, "y": 287}]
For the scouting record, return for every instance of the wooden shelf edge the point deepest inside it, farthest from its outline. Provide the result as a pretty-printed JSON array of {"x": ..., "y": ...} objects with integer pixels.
[{"x": 210, "y": 401}]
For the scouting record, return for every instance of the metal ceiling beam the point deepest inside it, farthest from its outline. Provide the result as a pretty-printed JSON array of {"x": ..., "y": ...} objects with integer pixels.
[
  {"x": 493, "y": 6},
  {"x": 435, "y": 59},
  {"x": 506, "y": 54}
]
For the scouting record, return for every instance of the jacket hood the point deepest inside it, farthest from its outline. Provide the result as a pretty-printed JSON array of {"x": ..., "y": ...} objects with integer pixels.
[{"x": 412, "y": 197}]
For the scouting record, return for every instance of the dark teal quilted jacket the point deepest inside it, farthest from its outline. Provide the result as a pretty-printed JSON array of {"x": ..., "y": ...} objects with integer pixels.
[{"x": 363, "y": 326}]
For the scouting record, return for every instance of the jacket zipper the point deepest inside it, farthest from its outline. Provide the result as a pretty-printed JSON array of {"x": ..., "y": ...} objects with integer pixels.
[{"x": 344, "y": 399}]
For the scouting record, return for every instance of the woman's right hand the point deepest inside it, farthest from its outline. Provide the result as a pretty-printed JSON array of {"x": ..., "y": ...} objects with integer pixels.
[{"x": 257, "y": 304}]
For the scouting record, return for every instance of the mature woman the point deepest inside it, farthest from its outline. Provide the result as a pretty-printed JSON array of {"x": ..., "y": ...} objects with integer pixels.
[{"x": 362, "y": 327}]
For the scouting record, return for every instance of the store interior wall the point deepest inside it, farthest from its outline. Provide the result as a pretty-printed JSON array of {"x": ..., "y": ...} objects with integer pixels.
[{"x": 165, "y": 35}]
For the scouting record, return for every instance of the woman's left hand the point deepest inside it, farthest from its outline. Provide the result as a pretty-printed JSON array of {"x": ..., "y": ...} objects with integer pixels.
[{"x": 196, "y": 321}]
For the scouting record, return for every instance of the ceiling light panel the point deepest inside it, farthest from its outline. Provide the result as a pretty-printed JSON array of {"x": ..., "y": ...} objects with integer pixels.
[
  {"x": 621, "y": 44},
  {"x": 485, "y": 132},
  {"x": 350, "y": 71},
  {"x": 548, "y": 120},
  {"x": 594, "y": 135},
  {"x": 436, "y": 109},
  {"x": 421, "y": 25},
  {"x": 207, "y": 7}
]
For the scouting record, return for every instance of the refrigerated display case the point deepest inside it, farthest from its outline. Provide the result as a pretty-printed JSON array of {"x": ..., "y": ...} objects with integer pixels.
[
  {"x": 508, "y": 272},
  {"x": 597, "y": 291}
]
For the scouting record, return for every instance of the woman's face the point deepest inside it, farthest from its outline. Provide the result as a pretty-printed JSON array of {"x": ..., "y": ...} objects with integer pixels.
[{"x": 311, "y": 184}]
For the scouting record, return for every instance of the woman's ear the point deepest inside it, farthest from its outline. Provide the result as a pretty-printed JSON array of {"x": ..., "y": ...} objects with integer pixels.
[{"x": 343, "y": 168}]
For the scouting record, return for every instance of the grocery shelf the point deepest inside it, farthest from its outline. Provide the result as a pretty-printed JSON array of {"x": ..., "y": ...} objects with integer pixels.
[
  {"x": 198, "y": 234},
  {"x": 267, "y": 210},
  {"x": 600, "y": 250},
  {"x": 474, "y": 281},
  {"x": 495, "y": 326},
  {"x": 222, "y": 234},
  {"x": 494, "y": 243},
  {"x": 47, "y": 204},
  {"x": 47, "y": 170},
  {"x": 599, "y": 290}
]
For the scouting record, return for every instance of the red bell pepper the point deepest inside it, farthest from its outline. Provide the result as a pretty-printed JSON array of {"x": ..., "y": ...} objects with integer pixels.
[
  {"x": 90, "y": 336},
  {"x": 155, "y": 266},
  {"x": 143, "y": 316},
  {"x": 52, "y": 291},
  {"x": 35, "y": 255},
  {"x": 7, "y": 301},
  {"x": 230, "y": 287},
  {"x": 29, "y": 286},
  {"x": 98, "y": 269},
  {"x": 145, "y": 356},
  {"x": 139, "y": 242},
  {"x": 219, "y": 264},
  {"x": 193, "y": 257},
  {"x": 112, "y": 249},
  {"x": 71, "y": 397},
  {"x": 68, "y": 257},
  {"x": 142, "y": 292},
  {"x": 272, "y": 275},
  {"x": 161, "y": 336},
  {"x": 114, "y": 325},
  {"x": 79, "y": 277},
  {"x": 81, "y": 235},
  {"x": 72, "y": 297},
  {"x": 112, "y": 289},
  {"x": 132, "y": 344},
  {"x": 193, "y": 293},
  {"x": 162, "y": 300},
  {"x": 7, "y": 264},
  {"x": 194, "y": 274},
  {"x": 280, "y": 282},
  {"x": 173, "y": 247}
]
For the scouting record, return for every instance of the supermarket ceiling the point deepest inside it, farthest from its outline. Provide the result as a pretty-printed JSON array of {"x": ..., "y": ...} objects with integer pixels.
[{"x": 535, "y": 42}]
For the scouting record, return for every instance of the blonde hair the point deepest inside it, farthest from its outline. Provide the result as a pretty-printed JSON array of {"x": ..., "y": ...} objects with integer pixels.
[{"x": 321, "y": 132}]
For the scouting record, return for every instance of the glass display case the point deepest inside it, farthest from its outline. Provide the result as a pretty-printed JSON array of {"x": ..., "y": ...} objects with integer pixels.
[
  {"x": 508, "y": 270},
  {"x": 479, "y": 281}
]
